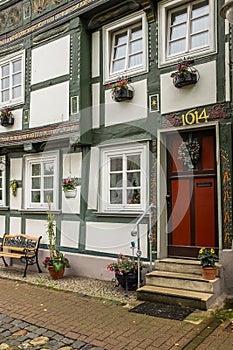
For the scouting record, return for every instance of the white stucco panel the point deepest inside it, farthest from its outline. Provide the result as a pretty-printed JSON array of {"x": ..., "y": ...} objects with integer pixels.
[
  {"x": 71, "y": 205},
  {"x": 16, "y": 169},
  {"x": 15, "y": 225},
  {"x": 2, "y": 223},
  {"x": 51, "y": 60},
  {"x": 95, "y": 105},
  {"x": 50, "y": 105},
  {"x": 113, "y": 237},
  {"x": 95, "y": 59},
  {"x": 17, "y": 113},
  {"x": 72, "y": 164},
  {"x": 191, "y": 96},
  {"x": 93, "y": 178},
  {"x": 70, "y": 234},
  {"x": 124, "y": 112},
  {"x": 37, "y": 228},
  {"x": 16, "y": 201}
]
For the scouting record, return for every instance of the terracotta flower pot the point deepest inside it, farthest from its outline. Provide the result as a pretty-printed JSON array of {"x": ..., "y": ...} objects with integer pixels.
[
  {"x": 56, "y": 274},
  {"x": 209, "y": 273}
]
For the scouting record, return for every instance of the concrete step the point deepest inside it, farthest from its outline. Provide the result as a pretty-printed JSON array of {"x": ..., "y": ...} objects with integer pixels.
[
  {"x": 182, "y": 281},
  {"x": 175, "y": 296}
]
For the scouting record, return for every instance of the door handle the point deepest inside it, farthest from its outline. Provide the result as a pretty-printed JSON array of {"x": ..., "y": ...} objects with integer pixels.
[{"x": 168, "y": 198}]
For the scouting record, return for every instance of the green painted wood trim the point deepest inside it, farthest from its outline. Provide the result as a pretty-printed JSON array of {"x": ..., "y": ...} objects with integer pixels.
[{"x": 50, "y": 82}]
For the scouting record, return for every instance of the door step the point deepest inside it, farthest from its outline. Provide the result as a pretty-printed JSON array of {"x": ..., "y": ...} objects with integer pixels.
[{"x": 179, "y": 281}]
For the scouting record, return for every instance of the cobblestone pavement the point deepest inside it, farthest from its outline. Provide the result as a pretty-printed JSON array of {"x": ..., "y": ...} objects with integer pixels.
[{"x": 33, "y": 317}]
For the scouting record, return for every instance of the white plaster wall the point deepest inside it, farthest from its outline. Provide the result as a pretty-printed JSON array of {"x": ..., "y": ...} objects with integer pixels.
[
  {"x": 2, "y": 224},
  {"x": 113, "y": 237},
  {"x": 15, "y": 225},
  {"x": 95, "y": 105},
  {"x": 17, "y": 122},
  {"x": 16, "y": 173},
  {"x": 70, "y": 234},
  {"x": 15, "y": 201},
  {"x": 71, "y": 205},
  {"x": 95, "y": 54},
  {"x": 93, "y": 179},
  {"x": 51, "y": 60},
  {"x": 202, "y": 93},
  {"x": 123, "y": 112},
  {"x": 49, "y": 105},
  {"x": 37, "y": 228}
]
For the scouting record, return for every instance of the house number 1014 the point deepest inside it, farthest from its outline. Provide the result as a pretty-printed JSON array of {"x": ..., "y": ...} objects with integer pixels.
[{"x": 193, "y": 117}]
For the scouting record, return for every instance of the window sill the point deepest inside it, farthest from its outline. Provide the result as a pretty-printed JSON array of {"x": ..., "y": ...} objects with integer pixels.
[
  {"x": 121, "y": 214},
  {"x": 4, "y": 208},
  {"x": 39, "y": 211}
]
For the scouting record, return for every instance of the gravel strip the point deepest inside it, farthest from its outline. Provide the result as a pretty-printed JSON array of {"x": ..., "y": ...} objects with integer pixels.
[{"x": 84, "y": 286}]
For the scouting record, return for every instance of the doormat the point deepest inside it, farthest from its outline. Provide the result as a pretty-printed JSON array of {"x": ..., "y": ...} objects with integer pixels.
[{"x": 172, "y": 312}]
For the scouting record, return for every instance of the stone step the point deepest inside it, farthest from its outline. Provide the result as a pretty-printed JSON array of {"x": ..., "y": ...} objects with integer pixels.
[
  {"x": 182, "y": 281},
  {"x": 175, "y": 296},
  {"x": 179, "y": 265}
]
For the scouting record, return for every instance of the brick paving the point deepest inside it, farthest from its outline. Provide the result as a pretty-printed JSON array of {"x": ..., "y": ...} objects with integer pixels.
[{"x": 67, "y": 321}]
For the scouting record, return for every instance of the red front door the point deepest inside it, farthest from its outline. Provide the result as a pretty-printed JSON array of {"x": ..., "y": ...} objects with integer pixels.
[{"x": 191, "y": 197}]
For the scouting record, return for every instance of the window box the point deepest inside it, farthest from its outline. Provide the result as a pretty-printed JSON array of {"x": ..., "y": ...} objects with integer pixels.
[
  {"x": 123, "y": 95},
  {"x": 7, "y": 121}
]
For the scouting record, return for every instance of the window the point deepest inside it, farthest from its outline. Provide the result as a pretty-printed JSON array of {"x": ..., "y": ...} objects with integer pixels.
[
  {"x": 12, "y": 78},
  {"x": 189, "y": 28},
  {"x": 125, "y": 47},
  {"x": 41, "y": 180},
  {"x": 124, "y": 178}
]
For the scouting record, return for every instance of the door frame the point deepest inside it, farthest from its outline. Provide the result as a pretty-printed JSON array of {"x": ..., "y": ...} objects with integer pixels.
[{"x": 162, "y": 229}]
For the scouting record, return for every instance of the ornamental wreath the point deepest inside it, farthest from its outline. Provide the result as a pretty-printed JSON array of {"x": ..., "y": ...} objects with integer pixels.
[{"x": 189, "y": 153}]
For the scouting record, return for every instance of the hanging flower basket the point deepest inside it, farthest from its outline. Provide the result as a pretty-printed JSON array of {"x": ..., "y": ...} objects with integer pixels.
[
  {"x": 123, "y": 95},
  {"x": 189, "y": 153},
  {"x": 69, "y": 186},
  {"x": 71, "y": 193},
  {"x": 186, "y": 74}
]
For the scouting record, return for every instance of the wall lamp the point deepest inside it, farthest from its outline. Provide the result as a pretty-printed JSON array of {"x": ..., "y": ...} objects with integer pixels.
[{"x": 227, "y": 11}]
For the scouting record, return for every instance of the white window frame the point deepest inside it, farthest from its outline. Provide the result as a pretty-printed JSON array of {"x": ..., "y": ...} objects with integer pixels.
[
  {"x": 3, "y": 200},
  {"x": 10, "y": 59},
  {"x": 108, "y": 33},
  {"x": 40, "y": 158},
  {"x": 164, "y": 9},
  {"x": 114, "y": 151}
]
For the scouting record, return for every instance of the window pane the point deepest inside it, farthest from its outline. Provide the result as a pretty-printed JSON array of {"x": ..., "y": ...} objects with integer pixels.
[
  {"x": 36, "y": 169},
  {"x": 133, "y": 197},
  {"x": 136, "y": 46},
  {"x": 116, "y": 164},
  {"x": 177, "y": 46},
  {"x": 115, "y": 197},
  {"x": 136, "y": 33},
  {"x": 116, "y": 180},
  {"x": 48, "y": 168},
  {"x": 199, "y": 40},
  {"x": 1, "y": 198},
  {"x": 35, "y": 197},
  {"x": 135, "y": 60},
  {"x": 48, "y": 182},
  {"x": 16, "y": 79},
  {"x": 118, "y": 65},
  {"x": 48, "y": 195},
  {"x": 36, "y": 183},
  {"x": 120, "y": 39},
  {"x": 179, "y": 17},
  {"x": 5, "y": 95},
  {"x": 200, "y": 9},
  {"x": 16, "y": 66},
  {"x": 200, "y": 24},
  {"x": 0, "y": 182},
  {"x": 133, "y": 179},
  {"x": 178, "y": 32},
  {"x": 120, "y": 52},
  {"x": 5, "y": 70},
  {"x": 133, "y": 162},
  {"x": 5, "y": 83},
  {"x": 16, "y": 92}
]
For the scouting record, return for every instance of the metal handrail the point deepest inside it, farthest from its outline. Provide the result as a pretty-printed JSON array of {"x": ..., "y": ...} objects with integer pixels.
[{"x": 135, "y": 232}]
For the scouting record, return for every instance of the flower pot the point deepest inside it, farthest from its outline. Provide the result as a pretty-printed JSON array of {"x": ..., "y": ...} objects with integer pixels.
[
  {"x": 71, "y": 193},
  {"x": 132, "y": 277},
  {"x": 56, "y": 274},
  {"x": 188, "y": 78},
  {"x": 209, "y": 273},
  {"x": 5, "y": 121},
  {"x": 122, "y": 95}
]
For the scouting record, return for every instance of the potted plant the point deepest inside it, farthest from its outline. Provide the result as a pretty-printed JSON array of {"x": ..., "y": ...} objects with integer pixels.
[
  {"x": 69, "y": 187},
  {"x": 56, "y": 261},
  {"x": 7, "y": 117},
  {"x": 121, "y": 90},
  {"x": 208, "y": 259},
  {"x": 13, "y": 187},
  {"x": 186, "y": 74},
  {"x": 126, "y": 271}
]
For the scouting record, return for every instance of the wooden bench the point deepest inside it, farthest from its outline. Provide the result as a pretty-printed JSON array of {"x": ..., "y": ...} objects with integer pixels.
[{"x": 22, "y": 247}]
